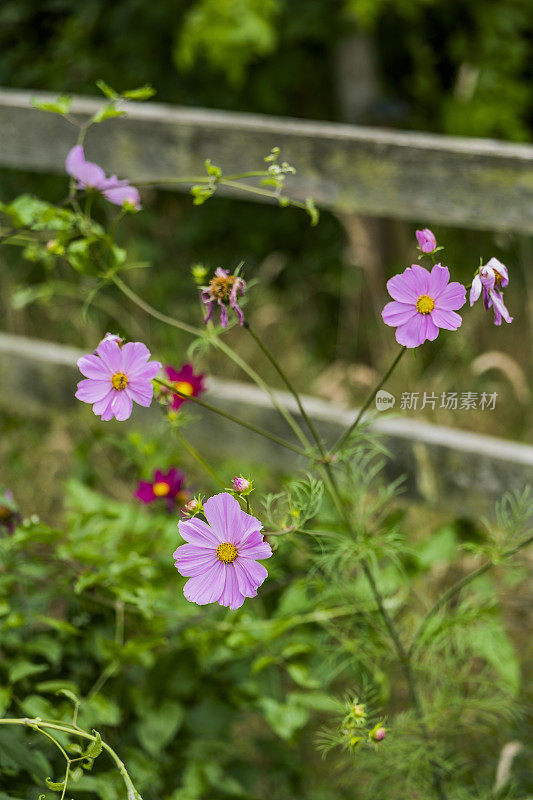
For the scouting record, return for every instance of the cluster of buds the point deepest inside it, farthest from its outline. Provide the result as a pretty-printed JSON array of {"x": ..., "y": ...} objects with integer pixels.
[{"x": 355, "y": 730}]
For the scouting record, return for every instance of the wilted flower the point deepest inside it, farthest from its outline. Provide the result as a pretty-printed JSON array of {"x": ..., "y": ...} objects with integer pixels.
[
  {"x": 492, "y": 277},
  {"x": 89, "y": 175},
  {"x": 241, "y": 484},
  {"x": 164, "y": 486},
  {"x": 220, "y": 557},
  {"x": 223, "y": 290},
  {"x": 423, "y": 303},
  {"x": 185, "y": 380},
  {"x": 426, "y": 240},
  {"x": 115, "y": 377}
]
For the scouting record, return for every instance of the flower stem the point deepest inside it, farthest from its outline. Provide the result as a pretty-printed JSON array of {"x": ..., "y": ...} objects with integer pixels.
[
  {"x": 457, "y": 587},
  {"x": 196, "y": 455},
  {"x": 36, "y": 725},
  {"x": 348, "y": 432},
  {"x": 290, "y": 387},
  {"x": 153, "y": 312},
  {"x": 232, "y": 418}
]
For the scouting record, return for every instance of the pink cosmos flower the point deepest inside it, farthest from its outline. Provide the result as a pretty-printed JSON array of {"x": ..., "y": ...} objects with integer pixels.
[
  {"x": 223, "y": 290},
  {"x": 89, "y": 175},
  {"x": 186, "y": 381},
  {"x": 491, "y": 278},
  {"x": 166, "y": 486},
  {"x": 426, "y": 240},
  {"x": 220, "y": 557},
  {"x": 423, "y": 302},
  {"x": 115, "y": 377}
]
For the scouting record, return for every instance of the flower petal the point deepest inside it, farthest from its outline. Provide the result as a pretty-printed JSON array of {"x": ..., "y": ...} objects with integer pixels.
[
  {"x": 429, "y": 329},
  {"x": 231, "y": 595},
  {"x": 401, "y": 288},
  {"x": 133, "y": 354},
  {"x": 110, "y": 353},
  {"x": 90, "y": 390},
  {"x": 198, "y": 533},
  {"x": 93, "y": 367},
  {"x": 452, "y": 298},
  {"x": 446, "y": 319},
  {"x": 122, "y": 405},
  {"x": 255, "y": 547},
  {"x": 145, "y": 492},
  {"x": 250, "y": 575},
  {"x": 475, "y": 290},
  {"x": 207, "y": 587},
  {"x": 410, "y": 334},
  {"x": 438, "y": 280},
  {"x": 228, "y": 520},
  {"x": 142, "y": 393},
  {"x": 192, "y": 560},
  {"x": 500, "y": 307},
  {"x": 395, "y": 313}
]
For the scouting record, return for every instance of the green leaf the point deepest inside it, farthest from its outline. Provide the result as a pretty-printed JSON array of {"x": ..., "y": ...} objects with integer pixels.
[
  {"x": 23, "y": 669},
  {"x": 5, "y": 699},
  {"x": 55, "y": 786},
  {"x": 158, "y": 725},
  {"x": 108, "y": 112},
  {"x": 95, "y": 748},
  {"x": 60, "y": 106},
  {"x": 107, "y": 90},
  {"x": 142, "y": 93},
  {"x": 284, "y": 718}
]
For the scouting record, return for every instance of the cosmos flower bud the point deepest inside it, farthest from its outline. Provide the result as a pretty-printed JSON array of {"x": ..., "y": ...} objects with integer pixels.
[
  {"x": 241, "y": 484},
  {"x": 426, "y": 240},
  {"x": 379, "y": 734}
]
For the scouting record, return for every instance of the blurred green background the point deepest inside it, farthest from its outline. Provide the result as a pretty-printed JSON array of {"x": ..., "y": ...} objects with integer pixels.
[{"x": 446, "y": 66}]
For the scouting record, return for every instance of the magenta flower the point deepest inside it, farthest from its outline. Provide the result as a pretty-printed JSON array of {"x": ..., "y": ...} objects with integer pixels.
[
  {"x": 426, "y": 240},
  {"x": 89, "y": 175},
  {"x": 491, "y": 278},
  {"x": 220, "y": 557},
  {"x": 423, "y": 303},
  {"x": 115, "y": 377},
  {"x": 164, "y": 486},
  {"x": 223, "y": 290},
  {"x": 185, "y": 380},
  {"x": 9, "y": 515}
]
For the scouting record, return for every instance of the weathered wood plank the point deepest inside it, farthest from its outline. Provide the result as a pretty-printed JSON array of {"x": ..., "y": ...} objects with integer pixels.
[
  {"x": 427, "y": 178},
  {"x": 448, "y": 468}
]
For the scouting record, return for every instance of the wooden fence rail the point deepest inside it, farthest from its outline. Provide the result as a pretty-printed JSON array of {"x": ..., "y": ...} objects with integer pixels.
[
  {"x": 454, "y": 470},
  {"x": 349, "y": 169}
]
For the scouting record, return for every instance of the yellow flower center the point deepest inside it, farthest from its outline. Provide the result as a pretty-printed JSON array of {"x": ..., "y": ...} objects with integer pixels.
[
  {"x": 227, "y": 552},
  {"x": 161, "y": 489},
  {"x": 425, "y": 304},
  {"x": 119, "y": 381},
  {"x": 184, "y": 387},
  {"x": 221, "y": 286}
]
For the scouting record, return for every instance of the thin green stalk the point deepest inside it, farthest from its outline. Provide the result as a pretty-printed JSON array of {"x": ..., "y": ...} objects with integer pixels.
[
  {"x": 220, "y": 345},
  {"x": 348, "y": 432},
  {"x": 196, "y": 455},
  {"x": 457, "y": 587},
  {"x": 37, "y": 724},
  {"x": 309, "y": 422},
  {"x": 232, "y": 418},
  {"x": 153, "y": 312}
]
